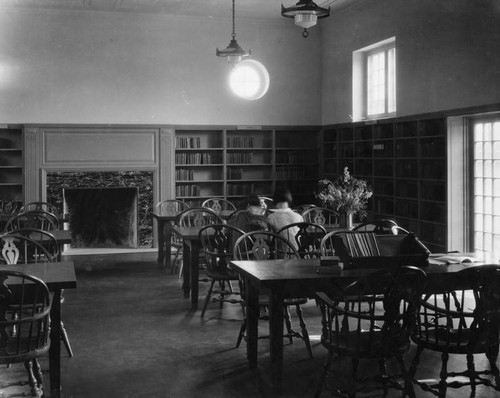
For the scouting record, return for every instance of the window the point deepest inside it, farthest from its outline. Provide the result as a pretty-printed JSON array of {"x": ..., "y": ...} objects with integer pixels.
[
  {"x": 374, "y": 81},
  {"x": 485, "y": 175}
]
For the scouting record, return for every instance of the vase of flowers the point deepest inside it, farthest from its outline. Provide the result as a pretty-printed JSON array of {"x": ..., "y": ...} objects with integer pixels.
[{"x": 346, "y": 195}]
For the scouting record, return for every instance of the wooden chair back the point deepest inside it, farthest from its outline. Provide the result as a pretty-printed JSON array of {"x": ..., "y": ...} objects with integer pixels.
[
  {"x": 171, "y": 207},
  {"x": 18, "y": 249},
  {"x": 45, "y": 238},
  {"x": 216, "y": 241},
  {"x": 197, "y": 217},
  {"x": 301, "y": 208},
  {"x": 33, "y": 219},
  {"x": 378, "y": 226},
  {"x": 306, "y": 238},
  {"x": 322, "y": 216},
  {"x": 24, "y": 317},
  {"x": 263, "y": 245},
  {"x": 218, "y": 205},
  {"x": 39, "y": 206}
]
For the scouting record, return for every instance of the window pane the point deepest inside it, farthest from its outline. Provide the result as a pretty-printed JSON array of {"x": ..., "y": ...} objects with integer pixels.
[
  {"x": 496, "y": 131},
  {"x": 486, "y": 213},
  {"x": 487, "y": 132},
  {"x": 478, "y": 132},
  {"x": 478, "y": 186},
  {"x": 391, "y": 77},
  {"x": 376, "y": 83}
]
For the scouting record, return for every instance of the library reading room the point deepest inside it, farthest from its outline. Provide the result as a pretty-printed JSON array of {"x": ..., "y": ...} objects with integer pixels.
[{"x": 249, "y": 198}]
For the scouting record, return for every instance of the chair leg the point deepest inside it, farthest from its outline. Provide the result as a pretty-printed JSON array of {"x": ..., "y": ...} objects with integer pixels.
[
  {"x": 31, "y": 379},
  {"x": 65, "y": 339},
  {"x": 288, "y": 324},
  {"x": 303, "y": 328},
  {"x": 207, "y": 299},
  {"x": 492, "y": 355},
  {"x": 443, "y": 375},
  {"x": 324, "y": 374},
  {"x": 242, "y": 332},
  {"x": 472, "y": 374},
  {"x": 222, "y": 286},
  {"x": 37, "y": 371}
]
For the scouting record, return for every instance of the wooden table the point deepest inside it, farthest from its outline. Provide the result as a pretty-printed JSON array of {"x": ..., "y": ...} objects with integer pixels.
[
  {"x": 295, "y": 278},
  {"x": 164, "y": 225},
  {"x": 191, "y": 258},
  {"x": 57, "y": 276}
]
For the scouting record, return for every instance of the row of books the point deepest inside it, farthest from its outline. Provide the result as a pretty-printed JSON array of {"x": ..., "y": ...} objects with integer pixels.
[
  {"x": 184, "y": 174},
  {"x": 187, "y": 190},
  {"x": 291, "y": 173},
  {"x": 197, "y": 158},
  {"x": 234, "y": 174},
  {"x": 294, "y": 157},
  {"x": 187, "y": 142},
  {"x": 240, "y": 189},
  {"x": 362, "y": 245},
  {"x": 240, "y": 142},
  {"x": 245, "y": 158}
]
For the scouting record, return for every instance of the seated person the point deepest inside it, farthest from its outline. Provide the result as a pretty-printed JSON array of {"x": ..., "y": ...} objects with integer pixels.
[
  {"x": 282, "y": 214},
  {"x": 253, "y": 218}
]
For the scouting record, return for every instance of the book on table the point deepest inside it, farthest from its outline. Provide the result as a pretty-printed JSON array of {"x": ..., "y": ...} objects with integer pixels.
[{"x": 455, "y": 258}]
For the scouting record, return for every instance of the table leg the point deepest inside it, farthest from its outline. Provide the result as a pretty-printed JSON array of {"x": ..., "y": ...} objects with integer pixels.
[
  {"x": 55, "y": 345},
  {"x": 168, "y": 230},
  {"x": 276, "y": 318},
  {"x": 186, "y": 269},
  {"x": 252, "y": 316},
  {"x": 194, "y": 264},
  {"x": 160, "y": 225}
]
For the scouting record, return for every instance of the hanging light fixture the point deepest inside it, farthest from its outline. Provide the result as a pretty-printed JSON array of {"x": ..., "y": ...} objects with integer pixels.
[
  {"x": 305, "y": 13},
  {"x": 233, "y": 51}
]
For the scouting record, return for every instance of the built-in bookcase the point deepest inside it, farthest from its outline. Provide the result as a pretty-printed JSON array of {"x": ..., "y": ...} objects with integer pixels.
[
  {"x": 11, "y": 164},
  {"x": 405, "y": 163},
  {"x": 232, "y": 163}
]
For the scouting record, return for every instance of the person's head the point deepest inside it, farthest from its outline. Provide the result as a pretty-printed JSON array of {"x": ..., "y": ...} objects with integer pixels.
[
  {"x": 282, "y": 196},
  {"x": 254, "y": 204}
]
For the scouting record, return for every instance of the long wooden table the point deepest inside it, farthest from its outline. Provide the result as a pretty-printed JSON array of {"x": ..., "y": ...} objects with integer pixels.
[
  {"x": 294, "y": 278},
  {"x": 164, "y": 228},
  {"x": 57, "y": 276}
]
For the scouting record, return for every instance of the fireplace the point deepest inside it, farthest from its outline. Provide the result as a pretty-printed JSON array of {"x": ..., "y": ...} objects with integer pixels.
[
  {"x": 138, "y": 184},
  {"x": 102, "y": 217}
]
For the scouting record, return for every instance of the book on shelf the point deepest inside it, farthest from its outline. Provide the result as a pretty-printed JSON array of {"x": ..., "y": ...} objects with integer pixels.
[
  {"x": 187, "y": 142},
  {"x": 240, "y": 142}
]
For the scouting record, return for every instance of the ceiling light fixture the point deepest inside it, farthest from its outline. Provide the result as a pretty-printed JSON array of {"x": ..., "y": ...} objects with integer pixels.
[
  {"x": 305, "y": 14},
  {"x": 233, "y": 51}
]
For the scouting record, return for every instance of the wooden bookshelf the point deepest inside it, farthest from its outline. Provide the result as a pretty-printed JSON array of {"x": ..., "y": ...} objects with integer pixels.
[
  {"x": 405, "y": 163},
  {"x": 232, "y": 163},
  {"x": 11, "y": 165}
]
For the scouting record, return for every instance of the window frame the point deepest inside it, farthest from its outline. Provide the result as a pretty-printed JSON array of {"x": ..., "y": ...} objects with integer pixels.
[{"x": 360, "y": 80}]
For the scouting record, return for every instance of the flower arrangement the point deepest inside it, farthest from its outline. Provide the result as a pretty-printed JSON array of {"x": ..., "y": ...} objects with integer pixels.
[{"x": 346, "y": 194}]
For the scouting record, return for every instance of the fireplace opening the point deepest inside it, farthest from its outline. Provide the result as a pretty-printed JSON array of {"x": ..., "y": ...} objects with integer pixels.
[{"x": 102, "y": 217}]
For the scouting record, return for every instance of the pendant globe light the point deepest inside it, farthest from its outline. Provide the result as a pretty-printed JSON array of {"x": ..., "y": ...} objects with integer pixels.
[
  {"x": 305, "y": 14},
  {"x": 233, "y": 51}
]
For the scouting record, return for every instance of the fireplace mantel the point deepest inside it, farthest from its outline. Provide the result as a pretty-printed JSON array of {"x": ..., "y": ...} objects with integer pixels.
[{"x": 99, "y": 149}]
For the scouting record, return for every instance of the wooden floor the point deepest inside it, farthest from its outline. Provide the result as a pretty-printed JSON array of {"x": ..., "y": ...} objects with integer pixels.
[{"x": 134, "y": 335}]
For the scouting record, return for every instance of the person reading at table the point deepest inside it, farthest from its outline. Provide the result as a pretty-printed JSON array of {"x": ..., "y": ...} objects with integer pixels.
[{"x": 282, "y": 214}]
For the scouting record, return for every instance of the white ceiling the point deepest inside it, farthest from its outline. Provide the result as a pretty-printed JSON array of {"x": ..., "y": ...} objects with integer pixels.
[{"x": 268, "y": 9}]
